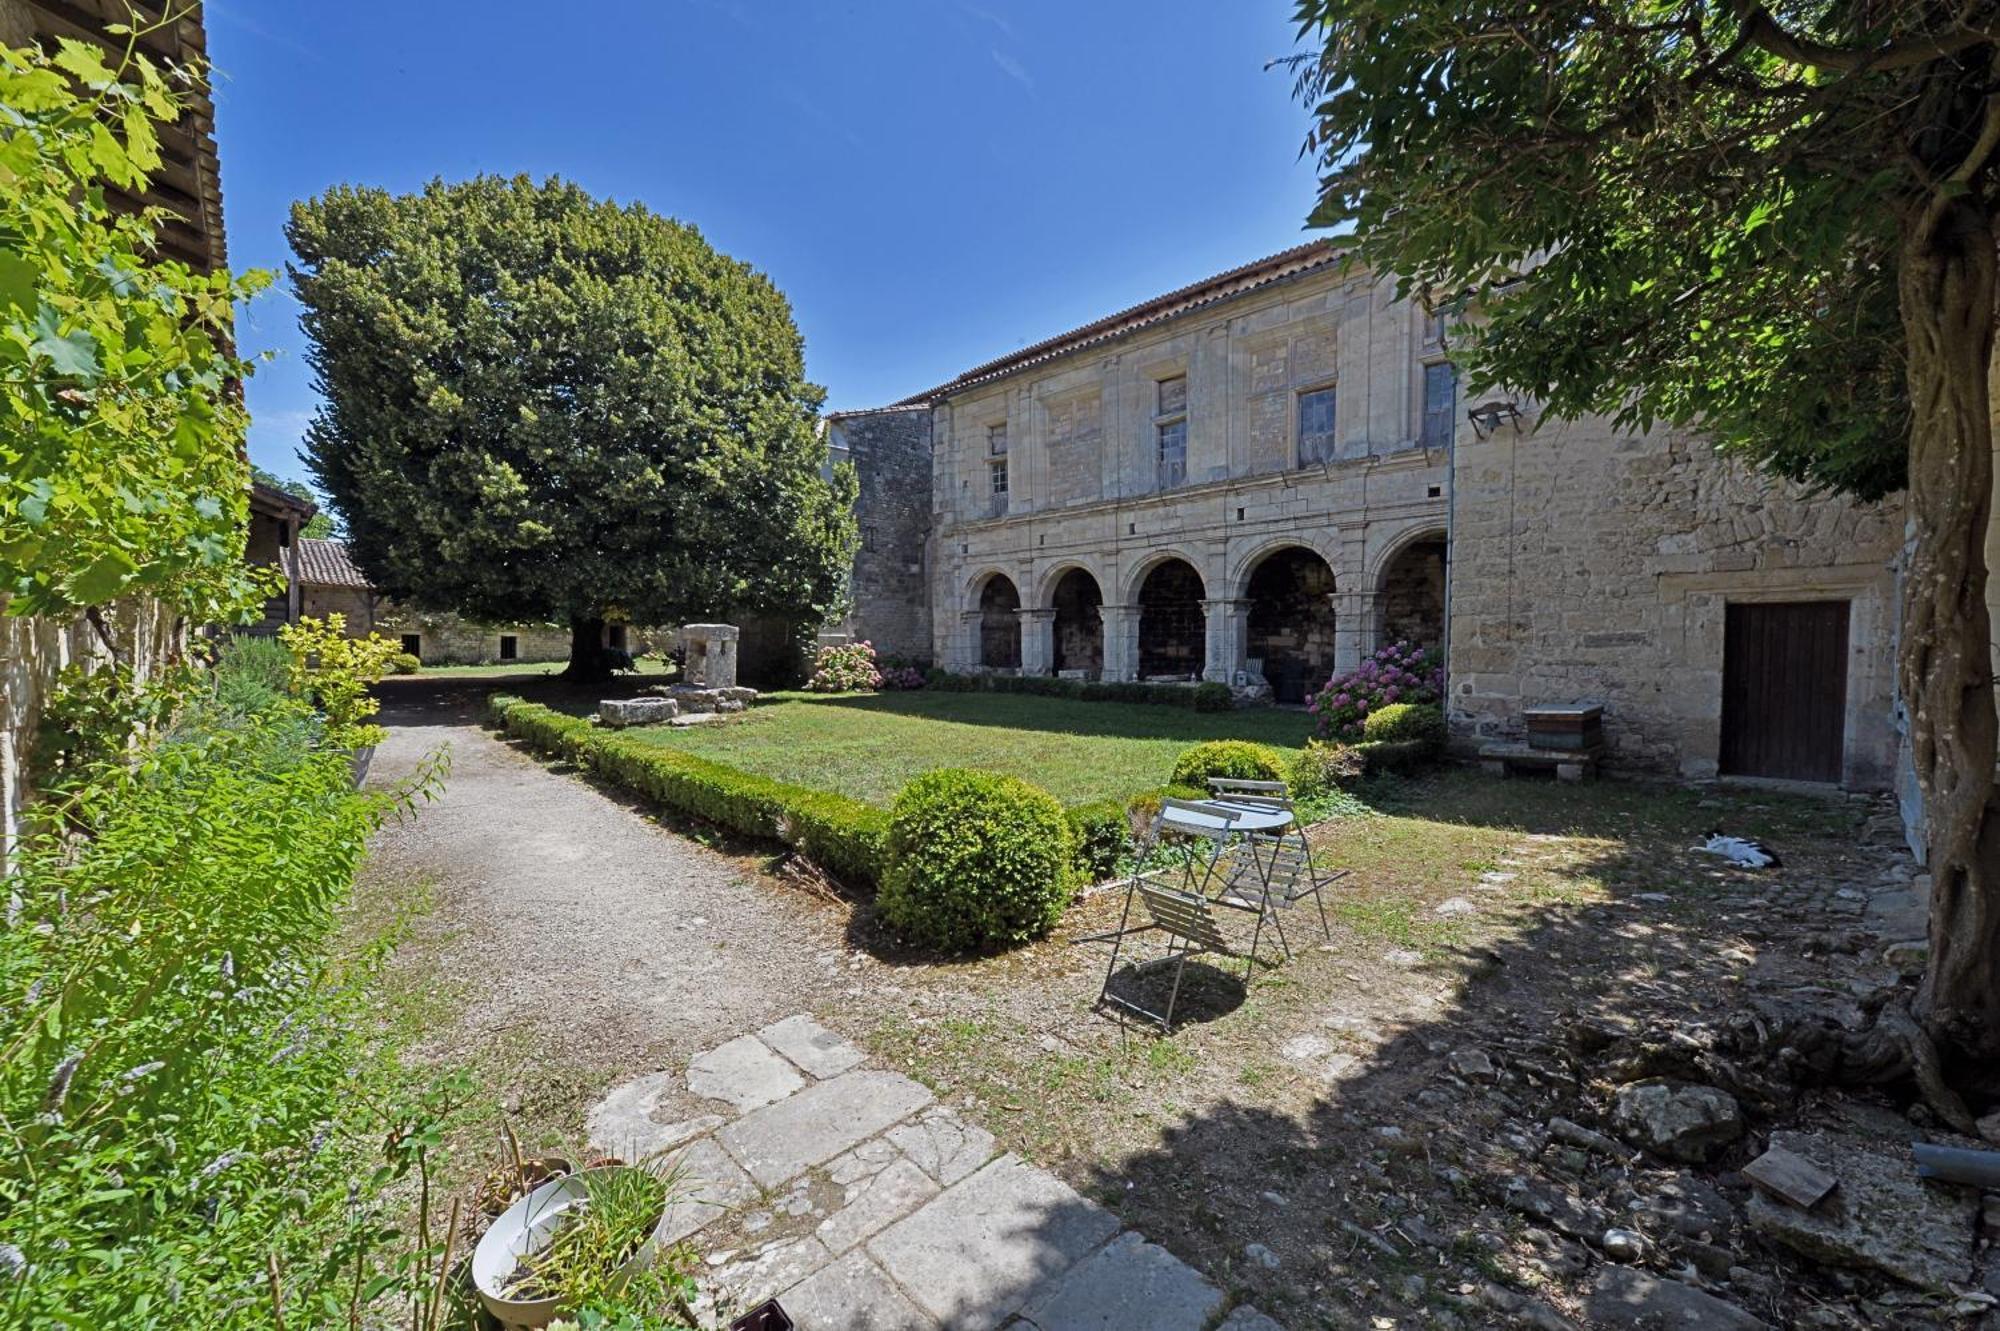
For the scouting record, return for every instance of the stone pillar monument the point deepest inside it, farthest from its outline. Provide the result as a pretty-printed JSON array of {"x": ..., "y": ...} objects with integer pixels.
[
  {"x": 1038, "y": 641},
  {"x": 711, "y": 655},
  {"x": 1121, "y": 641}
]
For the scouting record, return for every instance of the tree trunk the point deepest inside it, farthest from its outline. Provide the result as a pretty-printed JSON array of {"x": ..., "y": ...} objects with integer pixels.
[
  {"x": 1945, "y": 657},
  {"x": 586, "y": 651}
]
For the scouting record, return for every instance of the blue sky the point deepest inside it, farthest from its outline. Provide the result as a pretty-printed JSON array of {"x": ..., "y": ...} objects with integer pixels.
[{"x": 931, "y": 183}]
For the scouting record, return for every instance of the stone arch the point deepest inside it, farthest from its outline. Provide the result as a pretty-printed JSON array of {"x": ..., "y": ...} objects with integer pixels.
[
  {"x": 1173, "y": 627},
  {"x": 999, "y": 623},
  {"x": 1136, "y": 574},
  {"x": 1243, "y": 565},
  {"x": 1078, "y": 628},
  {"x": 1290, "y": 621},
  {"x": 1410, "y": 581}
]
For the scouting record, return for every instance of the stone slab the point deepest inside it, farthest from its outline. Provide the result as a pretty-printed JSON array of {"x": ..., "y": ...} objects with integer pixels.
[
  {"x": 1626, "y": 1297},
  {"x": 812, "y": 1046},
  {"x": 706, "y": 1183},
  {"x": 1246, "y": 1318},
  {"x": 1880, "y": 1216},
  {"x": 944, "y": 1145},
  {"x": 990, "y": 1243},
  {"x": 782, "y": 1140},
  {"x": 620, "y": 712},
  {"x": 698, "y": 719},
  {"x": 622, "y": 1123},
  {"x": 1129, "y": 1282},
  {"x": 751, "y": 1279},
  {"x": 744, "y": 1073},
  {"x": 853, "y": 1294},
  {"x": 873, "y": 1203}
]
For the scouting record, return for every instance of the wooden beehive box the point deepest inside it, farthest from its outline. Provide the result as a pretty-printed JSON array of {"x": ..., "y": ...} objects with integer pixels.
[{"x": 1568, "y": 726}]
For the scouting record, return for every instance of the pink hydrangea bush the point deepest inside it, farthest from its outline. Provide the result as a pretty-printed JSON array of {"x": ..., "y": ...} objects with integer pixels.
[
  {"x": 1399, "y": 672},
  {"x": 847, "y": 668},
  {"x": 902, "y": 678}
]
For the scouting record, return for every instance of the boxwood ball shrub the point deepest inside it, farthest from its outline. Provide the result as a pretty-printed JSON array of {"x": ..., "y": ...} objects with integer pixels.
[
  {"x": 1103, "y": 836},
  {"x": 1213, "y": 697},
  {"x": 1235, "y": 758},
  {"x": 405, "y": 663},
  {"x": 976, "y": 860},
  {"x": 1404, "y": 722}
]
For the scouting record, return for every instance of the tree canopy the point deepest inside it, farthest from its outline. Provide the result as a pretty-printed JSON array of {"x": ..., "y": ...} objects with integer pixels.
[
  {"x": 1772, "y": 224},
  {"x": 539, "y": 405}
]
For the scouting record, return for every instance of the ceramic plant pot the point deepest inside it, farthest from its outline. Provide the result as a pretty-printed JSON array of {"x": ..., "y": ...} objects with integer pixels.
[{"x": 528, "y": 1227}]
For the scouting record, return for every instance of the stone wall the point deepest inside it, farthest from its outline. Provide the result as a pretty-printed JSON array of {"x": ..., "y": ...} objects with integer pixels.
[
  {"x": 891, "y": 453},
  {"x": 1412, "y": 600},
  {"x": 1593, "y": 565},
  {"x": 35, "y": 651},
  {"x": 442, "y": 638}
]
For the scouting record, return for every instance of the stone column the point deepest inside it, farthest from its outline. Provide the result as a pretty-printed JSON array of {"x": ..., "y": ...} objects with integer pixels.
[
  {"x": 1353, "y": 629},
  {"x": 1228, "y": 642},
  {"x": 965, "y": 649},
  {"x": 1038, "y": 640},
  {"x": 1121, "y": 641}
]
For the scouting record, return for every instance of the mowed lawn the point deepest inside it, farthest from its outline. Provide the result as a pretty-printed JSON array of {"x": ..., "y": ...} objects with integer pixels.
[{"x": 869, "y": 745}]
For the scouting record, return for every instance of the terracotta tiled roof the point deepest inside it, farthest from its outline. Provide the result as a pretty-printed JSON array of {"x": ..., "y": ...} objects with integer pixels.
[
  {"x": 1249, "y": 277},
  {"x": 326, "y": 564},
  {"x": 912, "y": 404},
  {"x": 270, "y": 500}
]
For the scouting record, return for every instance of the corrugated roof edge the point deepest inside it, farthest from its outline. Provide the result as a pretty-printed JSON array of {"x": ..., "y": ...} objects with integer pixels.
[{"x": 1243, "y": 278}]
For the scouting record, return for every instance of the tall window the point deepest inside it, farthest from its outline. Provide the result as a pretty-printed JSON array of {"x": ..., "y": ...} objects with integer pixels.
[
  {"x": 996, "y": 478},
  {"x": 1316, "y": 426},
  {"x": 1170, "y": 431},
  {"x": 1440, "y": 404},
  {"x": 996, "y": 440}
]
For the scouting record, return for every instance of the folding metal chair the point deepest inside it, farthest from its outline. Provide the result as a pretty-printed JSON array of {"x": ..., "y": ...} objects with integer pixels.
[
  {"x": 1190, "y": 926},
  {"x": 1274, "y": 869}
]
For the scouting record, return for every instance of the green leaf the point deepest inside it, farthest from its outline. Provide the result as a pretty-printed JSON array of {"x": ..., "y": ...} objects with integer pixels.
[
  {"x": 17, "y": 283},
  {"x": 103, "y": 579},
  {"x": 72, "y": 355}
]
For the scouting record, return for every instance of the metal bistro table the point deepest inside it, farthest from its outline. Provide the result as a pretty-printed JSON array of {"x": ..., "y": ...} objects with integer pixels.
[{"x": 1274, "y": 867}]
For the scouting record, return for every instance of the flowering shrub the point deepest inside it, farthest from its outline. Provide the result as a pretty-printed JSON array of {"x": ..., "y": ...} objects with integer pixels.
[
  {"x": 903, "y": 678},
  {"x": 1399, "y": 672},
  {"x": 847, "y": 668}
]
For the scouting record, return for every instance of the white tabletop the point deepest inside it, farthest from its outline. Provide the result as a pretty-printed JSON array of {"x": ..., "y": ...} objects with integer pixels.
[{"x": 1232, "y": 815}]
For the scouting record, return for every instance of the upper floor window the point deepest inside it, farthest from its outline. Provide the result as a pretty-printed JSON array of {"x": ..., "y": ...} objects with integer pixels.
[
  {"x": 1440, "y": 404},
  {"x": 1436, "y": 324},
  {"x": 996, "y": 478},
  {"x": 996, "y": 440},
  {"x": 1170, "y": 431},
  {"x": 1316, "y": 426}
]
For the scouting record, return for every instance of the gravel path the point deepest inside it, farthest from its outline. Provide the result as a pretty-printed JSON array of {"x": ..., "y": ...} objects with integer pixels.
[{"x": 568, "y": 917}]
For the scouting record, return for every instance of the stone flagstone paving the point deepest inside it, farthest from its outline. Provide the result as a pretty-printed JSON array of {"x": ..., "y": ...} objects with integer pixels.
[{"x": 848, "y": 1194}]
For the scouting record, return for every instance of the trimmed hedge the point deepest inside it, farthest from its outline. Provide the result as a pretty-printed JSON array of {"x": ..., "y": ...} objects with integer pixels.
[
  {"x": 1209, "y": 697},
  {"x": 845, "y": 836},
  {"x": 1103, "y": 835},
  {"x": 1143, "y": 807},
  {"x": 1236, "y": 758},
  {"x": 406, "y": 663},
  {"x": 975, "y": 859}
]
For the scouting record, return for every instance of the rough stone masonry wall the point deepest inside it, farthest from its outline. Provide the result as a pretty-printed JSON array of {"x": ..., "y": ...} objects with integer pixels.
[
  {"x": 1590, "y": 564},
  {"x": 891, "y": 453}
]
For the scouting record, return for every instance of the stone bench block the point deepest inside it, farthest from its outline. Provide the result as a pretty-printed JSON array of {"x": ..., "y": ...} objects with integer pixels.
[{"x": 618, "y": 713}]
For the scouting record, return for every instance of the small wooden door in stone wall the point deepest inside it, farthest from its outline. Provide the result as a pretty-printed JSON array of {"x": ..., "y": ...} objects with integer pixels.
[{"x": 1784, "y": 690}]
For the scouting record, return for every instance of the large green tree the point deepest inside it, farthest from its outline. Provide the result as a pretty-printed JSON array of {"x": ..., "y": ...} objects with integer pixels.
[
  {"x": 540, "y": 405},
  {"x": 1775, "y": 224}
]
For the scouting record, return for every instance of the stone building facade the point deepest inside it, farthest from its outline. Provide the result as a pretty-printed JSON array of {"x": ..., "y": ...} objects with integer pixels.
[
  {"x": 1215, "y": 485},
  {"x": 890, "y": 449},
  {"x": 328, "y": 581},
  {"x": 1262, "y": 477}
]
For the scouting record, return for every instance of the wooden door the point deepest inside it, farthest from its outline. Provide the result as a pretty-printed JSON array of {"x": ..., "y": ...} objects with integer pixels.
[{"x": 1784, "y": 690}]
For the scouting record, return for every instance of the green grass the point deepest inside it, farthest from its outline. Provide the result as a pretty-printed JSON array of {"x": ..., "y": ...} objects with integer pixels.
[{"x": 868, "y": 746}]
